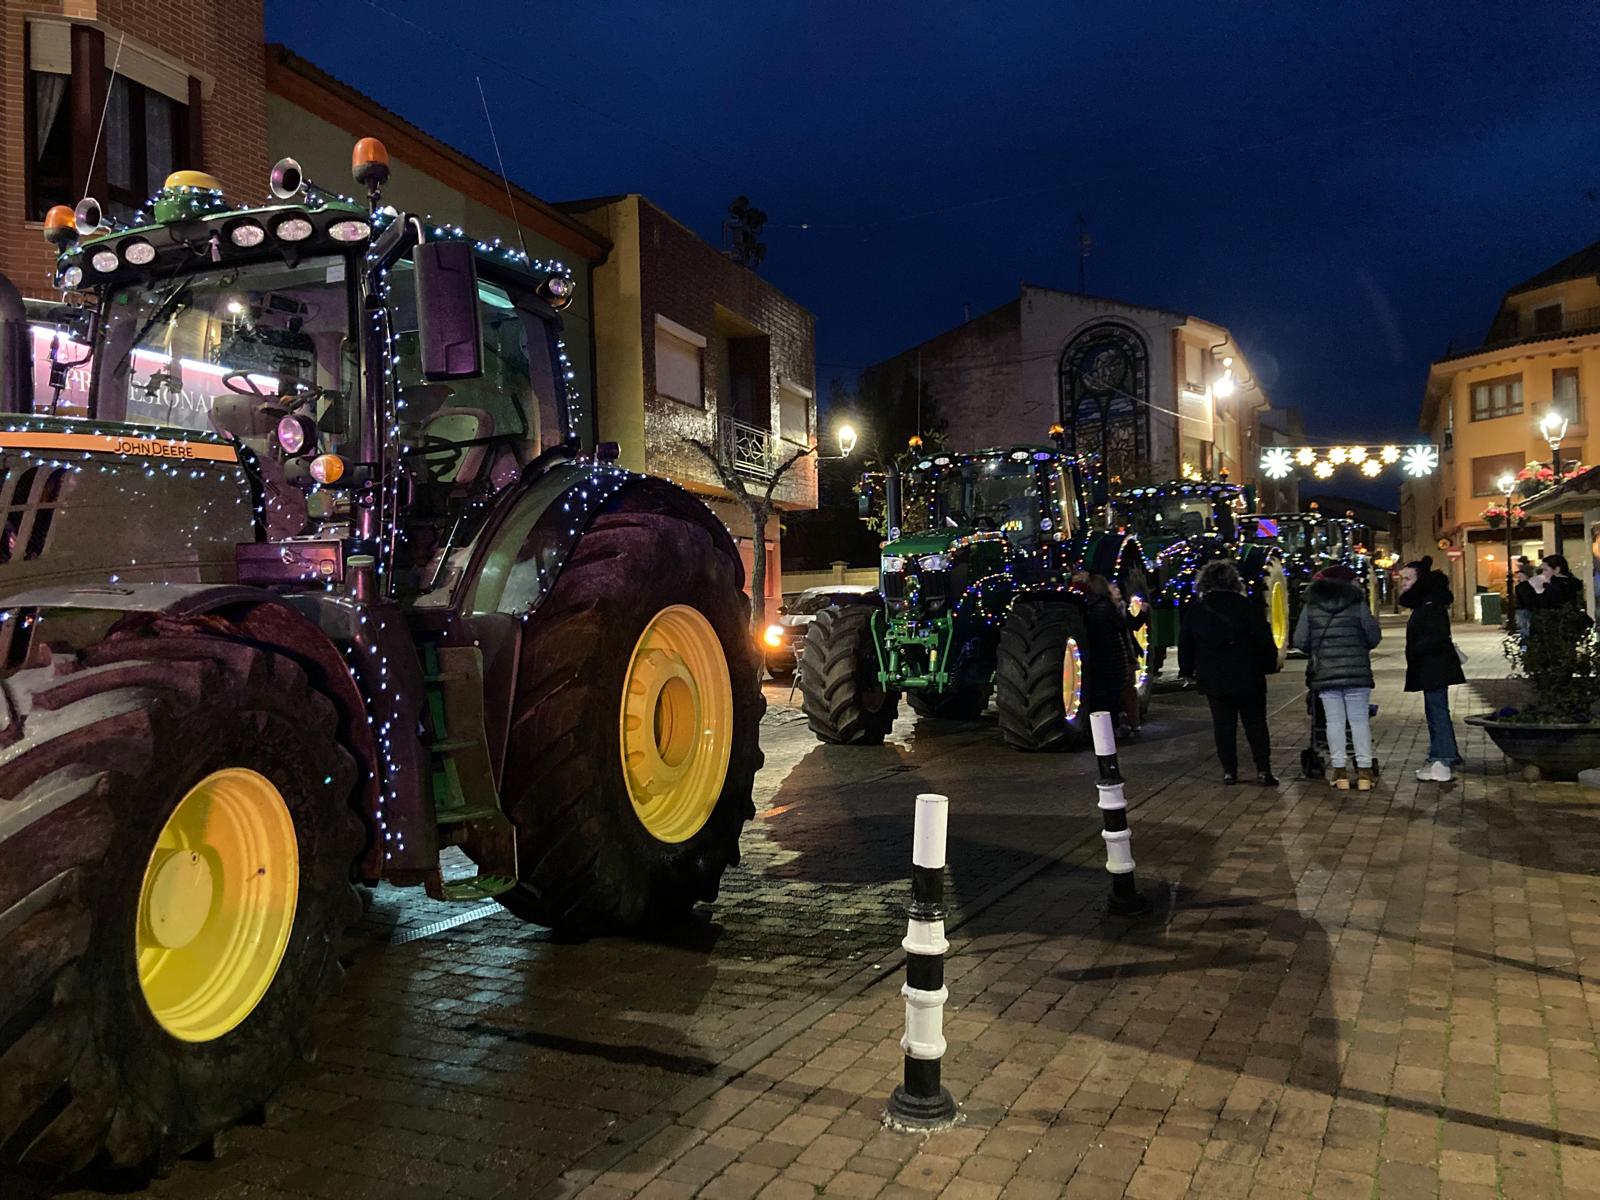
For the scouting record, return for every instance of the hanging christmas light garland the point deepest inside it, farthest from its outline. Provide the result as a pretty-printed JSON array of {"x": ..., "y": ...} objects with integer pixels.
[{"x": 1279, "y": 462}]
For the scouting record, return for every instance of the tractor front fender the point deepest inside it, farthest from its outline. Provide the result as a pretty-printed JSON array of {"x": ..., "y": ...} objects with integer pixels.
[
  {"x": 513, "y": 562},
  {"x": 232, "y": 612}
]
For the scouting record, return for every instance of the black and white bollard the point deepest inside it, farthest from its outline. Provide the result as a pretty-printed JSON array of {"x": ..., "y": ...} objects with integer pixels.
[
  {"x": 922, "y": 1102},
  {"x": 1125, "y": 900}
]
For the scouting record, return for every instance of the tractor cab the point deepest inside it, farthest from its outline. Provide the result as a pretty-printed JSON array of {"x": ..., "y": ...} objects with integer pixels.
[
  {"x": 1165, "y": 515},
  {"x": 1028, "y": 494},
  {"x": 342, "y": 379}
]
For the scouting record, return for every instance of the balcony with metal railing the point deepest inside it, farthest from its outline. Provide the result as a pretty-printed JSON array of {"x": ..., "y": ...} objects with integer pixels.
[
  {"x": 759, "y": 454},
  {"x": 1510, "y": 328}
]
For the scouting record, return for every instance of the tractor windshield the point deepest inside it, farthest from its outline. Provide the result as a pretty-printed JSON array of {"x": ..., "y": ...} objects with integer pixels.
[
  {"x": 231, "y": 351},
  {"x": 983, "y": 494},
  {"x": 1157, "y": 520}
]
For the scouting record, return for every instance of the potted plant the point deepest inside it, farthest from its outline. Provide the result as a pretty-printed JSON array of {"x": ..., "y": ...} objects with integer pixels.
[{"x": 1554, "y": 734}]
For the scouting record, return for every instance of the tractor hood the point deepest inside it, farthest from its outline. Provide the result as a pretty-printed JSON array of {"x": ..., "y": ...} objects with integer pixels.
[
  {"x": 105, "y": 503},
  {"x": 939, "y": 541}
]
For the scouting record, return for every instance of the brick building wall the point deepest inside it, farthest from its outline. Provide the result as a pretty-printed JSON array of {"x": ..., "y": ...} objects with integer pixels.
[
  {"x": 658, "y": 268},
  {"x": 219, "y": 45}
]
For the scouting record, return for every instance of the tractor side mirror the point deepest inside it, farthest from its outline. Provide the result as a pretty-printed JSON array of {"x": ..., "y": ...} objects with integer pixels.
[{"x": 451, "y": 340}]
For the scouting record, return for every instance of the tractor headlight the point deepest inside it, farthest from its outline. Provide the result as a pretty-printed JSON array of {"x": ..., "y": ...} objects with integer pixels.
[
  {"x": 773, "y": 636},
  {"x": 893, "y": 564},
  {"x": 293, "y": 229},
  {"x": 349, "y": 231},
  {"x": 138, "y": 252},
  {"x": 935, "y": 562},
  {"x": 297, "y": 435},
  {"x": 246, "y": 234},
  {"x": 103, "y": 261}
]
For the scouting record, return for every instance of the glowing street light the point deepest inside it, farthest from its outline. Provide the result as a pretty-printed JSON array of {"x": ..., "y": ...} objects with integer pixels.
[
  {"x": 1554, "y": 427},
  {"x": 847, "y": 440}
]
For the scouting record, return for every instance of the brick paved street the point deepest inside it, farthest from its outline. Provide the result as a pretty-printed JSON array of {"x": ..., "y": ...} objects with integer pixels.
[{"x": 1340, "y": 994}]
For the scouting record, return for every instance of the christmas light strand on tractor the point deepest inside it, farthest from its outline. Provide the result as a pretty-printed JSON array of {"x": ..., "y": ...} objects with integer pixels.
[
  {"x": 1279, "y": 462},
  {"x": 317, "y": 582}
]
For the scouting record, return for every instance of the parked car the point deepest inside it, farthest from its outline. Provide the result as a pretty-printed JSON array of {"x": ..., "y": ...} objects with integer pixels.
[{"x": 783, "y": 642}]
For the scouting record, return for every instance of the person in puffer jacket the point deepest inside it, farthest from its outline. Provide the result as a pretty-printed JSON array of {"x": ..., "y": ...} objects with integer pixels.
[{"x": 1337, "y": 631}]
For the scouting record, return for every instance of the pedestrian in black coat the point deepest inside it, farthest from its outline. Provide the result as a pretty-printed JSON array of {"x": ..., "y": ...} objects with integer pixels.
[
  {"x": 1338, "y": 632},
  {"x": 1225, "y": 645},
  {"x": 1433, "y": 665},
  {"x": 1107, "y": 649}
]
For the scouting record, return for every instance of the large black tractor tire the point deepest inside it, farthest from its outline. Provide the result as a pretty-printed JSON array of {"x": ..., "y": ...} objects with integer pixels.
[
  {"x": 958, "y": 704},
  {"x": 1031, "y": 681},
  {"x": 96, "y": 753},
  {"x": 844, "y": 702},
  {"x": 588, "y": 862}
]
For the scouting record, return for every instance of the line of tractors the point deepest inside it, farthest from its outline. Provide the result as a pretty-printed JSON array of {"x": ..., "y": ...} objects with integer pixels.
[
  {"x": 981, "y": 590},
  {"x": 309, "y": 579}
]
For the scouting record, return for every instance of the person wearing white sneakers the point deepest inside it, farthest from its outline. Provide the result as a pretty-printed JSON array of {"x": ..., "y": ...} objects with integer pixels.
[{"x": 1433, "y": 664}]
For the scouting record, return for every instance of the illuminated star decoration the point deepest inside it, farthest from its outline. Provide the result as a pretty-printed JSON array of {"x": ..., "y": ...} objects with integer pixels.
[
  {"x": 1322, "y": 470},
  {"x": 1305, "y": 456},
  {"x": 1420, "y": 460},
  {"x": 1371, "y": 468},
  {"x": 1390, "y": 455},
  {"x": 1277, "y": 462}
]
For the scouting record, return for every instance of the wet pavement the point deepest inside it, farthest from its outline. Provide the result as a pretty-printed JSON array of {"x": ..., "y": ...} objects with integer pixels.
[{"x": 471, "y": 1054}]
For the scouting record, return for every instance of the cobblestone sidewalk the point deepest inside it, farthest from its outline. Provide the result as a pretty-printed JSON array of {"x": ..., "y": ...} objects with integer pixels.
[{"x": 1341, "y": 995}]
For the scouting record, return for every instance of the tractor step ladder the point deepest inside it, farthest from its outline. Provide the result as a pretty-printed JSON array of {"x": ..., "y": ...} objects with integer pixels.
[{"x": 464, "y": 791}]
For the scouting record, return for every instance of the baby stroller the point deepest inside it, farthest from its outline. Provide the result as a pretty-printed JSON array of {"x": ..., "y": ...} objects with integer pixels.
[{"x": 1314, "y": 758}]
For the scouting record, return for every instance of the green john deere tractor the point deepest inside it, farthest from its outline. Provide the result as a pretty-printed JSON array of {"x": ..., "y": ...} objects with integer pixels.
[
  {"x": 1184, "y": 525},
  {"x": 976, "y": 599},
  {"x": 310, "y": 583}
]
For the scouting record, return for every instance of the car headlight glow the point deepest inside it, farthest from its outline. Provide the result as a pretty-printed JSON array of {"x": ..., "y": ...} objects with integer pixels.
[{"x": 773, "y": 636}]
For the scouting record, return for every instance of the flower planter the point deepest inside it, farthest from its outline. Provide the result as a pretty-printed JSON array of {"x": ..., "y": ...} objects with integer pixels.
[{"x": 1555, "y": 752}]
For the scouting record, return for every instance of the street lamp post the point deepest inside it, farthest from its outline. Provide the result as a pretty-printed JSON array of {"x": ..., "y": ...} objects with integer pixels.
[
  {"x": 1554, "y": 427},
  {"x": 1507, "y": 483}
]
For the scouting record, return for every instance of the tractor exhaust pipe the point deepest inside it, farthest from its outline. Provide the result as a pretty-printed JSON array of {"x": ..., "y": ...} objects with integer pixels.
[{"x": 16, "y": 358}]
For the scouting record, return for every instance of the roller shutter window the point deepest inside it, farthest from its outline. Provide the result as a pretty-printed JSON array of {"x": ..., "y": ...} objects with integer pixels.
[{"x": 679, "y": 366}]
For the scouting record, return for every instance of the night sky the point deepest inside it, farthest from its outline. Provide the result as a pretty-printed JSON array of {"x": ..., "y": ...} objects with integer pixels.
[{"x": 1347, "y": 187}]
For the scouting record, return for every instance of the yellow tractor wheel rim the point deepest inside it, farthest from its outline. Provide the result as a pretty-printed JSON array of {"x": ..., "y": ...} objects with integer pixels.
[
  {"x": 1141, "y": 638},
  {"x": 1278, "y": 608},
  {"x": 677, "y": 724},
  {"x": 1071, "y": 679},
  {"x": 217, "y": 904}
]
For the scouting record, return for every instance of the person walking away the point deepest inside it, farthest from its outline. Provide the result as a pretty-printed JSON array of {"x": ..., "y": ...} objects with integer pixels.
[
  {"x": 1433, "y": 665},
  {"x": 1338, "y": 632},
  {"x": 1107, "y": 654},
  {"x": 1226, "y": 647}
]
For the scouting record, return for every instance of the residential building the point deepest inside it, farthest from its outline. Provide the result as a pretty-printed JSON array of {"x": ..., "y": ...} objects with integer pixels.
[
  {"x": 1159, "y": 394},
  {"x": 693, "y": 348},
  {"x": 315, "y": 119},
  {"x": 1483, "y": 406},
  {"x": 187, "y": 90}
]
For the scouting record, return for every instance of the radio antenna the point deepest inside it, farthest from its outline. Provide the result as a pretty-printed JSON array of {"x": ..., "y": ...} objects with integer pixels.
[
  {"x": 501, "y": 163},
  {"x": 99, "y": 133}
]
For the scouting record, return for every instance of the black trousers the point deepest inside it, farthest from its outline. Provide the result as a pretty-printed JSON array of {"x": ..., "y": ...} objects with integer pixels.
[{"x": 1226, "y": 713}]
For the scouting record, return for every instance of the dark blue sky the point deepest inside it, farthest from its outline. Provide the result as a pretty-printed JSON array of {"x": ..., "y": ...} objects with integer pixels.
[{"x": 1347, "y": 187}]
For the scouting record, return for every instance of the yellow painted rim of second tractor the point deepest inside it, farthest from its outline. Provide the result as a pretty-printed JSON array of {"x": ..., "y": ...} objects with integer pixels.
[
  {"x": 217, "y": 904},
  {"x": 1278, "y": 611},
  {"x": 676, "y": 724},
  {"x": 1071, "y": 679}
]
